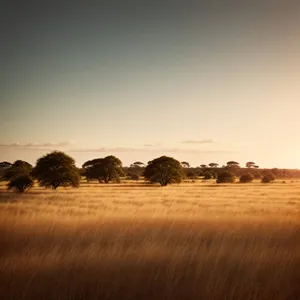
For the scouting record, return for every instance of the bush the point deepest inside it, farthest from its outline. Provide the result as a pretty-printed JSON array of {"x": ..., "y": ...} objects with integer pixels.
[
  {"x": 266, "y": 179},
  {"x": 207, "y": 175},
  {"x": 226, "y": 177},
  {"x": 245, "y": 178},
  {"x": 21, "y": 184}
]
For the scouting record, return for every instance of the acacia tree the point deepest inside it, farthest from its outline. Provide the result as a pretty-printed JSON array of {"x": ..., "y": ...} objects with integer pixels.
[
  {"x": 213, "y": 165},
  {"x": 250, "y": 164},
  {"x": 104, "y": 169},
  {"x": 18, "y": 168},
  {"x": 137, "y": 164},
  {"x": 233, "y": 164},
  {"x": 164, "y": 170},
  {"x": 56, "y": 169},
  {"x": 185, "y": 164},
  {"x": 203, "y": 166}
]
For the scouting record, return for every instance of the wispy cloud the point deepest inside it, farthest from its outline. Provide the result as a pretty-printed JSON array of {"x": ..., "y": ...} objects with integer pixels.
[
  {"x": 152, "y": 145},
  {"x": 46, "y": 145},
  {"x": 147, "y": 150},
  {"x": 205, "y": 141}
]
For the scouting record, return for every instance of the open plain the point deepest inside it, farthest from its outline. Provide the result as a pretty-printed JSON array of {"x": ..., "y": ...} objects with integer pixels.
[{"x": 196, "y": 240}]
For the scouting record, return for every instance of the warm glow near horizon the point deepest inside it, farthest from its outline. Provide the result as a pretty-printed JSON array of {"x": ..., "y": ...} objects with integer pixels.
[{"x": 202, "y": 83}]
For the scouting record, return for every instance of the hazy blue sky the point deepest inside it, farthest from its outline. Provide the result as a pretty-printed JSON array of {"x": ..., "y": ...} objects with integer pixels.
[{"x": 203, "y": 81}]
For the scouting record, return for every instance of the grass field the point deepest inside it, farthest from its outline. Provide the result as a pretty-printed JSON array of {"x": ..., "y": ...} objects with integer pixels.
[{"x": 137, "y": 241}]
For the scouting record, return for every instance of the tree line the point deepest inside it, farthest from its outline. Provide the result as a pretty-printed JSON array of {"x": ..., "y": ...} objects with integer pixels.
[{"x": 57, "y": 169}]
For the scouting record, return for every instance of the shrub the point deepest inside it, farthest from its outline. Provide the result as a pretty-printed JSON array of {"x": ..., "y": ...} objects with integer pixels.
[
  {"x": 226, "y": 177},
  {"x": 21, "y": 184},
  {"x": 245, "y": 178},
  {"x": 266, "y": 179},
  {"x": 207, "y": 175}
]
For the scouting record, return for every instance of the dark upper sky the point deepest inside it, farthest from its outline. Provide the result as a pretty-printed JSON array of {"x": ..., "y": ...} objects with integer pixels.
[{"x": 64, "y": 61}]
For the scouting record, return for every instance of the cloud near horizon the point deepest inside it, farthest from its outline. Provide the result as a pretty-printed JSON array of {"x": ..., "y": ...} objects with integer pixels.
[
  {"x": 152, "y": 145},
  {"x": 47, "y": 145},
  {"x": 205, "y": 141},
  {"x": 152, "y": 150}
]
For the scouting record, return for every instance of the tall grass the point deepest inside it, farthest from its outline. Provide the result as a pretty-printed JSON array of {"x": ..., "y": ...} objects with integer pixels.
[{"x": 180, "y": 242}]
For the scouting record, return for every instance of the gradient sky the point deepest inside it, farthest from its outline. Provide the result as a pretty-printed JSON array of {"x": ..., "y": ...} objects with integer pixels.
[{"x": 202, "y": 81}]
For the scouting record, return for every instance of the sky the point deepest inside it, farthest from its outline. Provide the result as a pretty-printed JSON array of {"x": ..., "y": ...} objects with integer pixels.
[{"x": 201, "y": 81}]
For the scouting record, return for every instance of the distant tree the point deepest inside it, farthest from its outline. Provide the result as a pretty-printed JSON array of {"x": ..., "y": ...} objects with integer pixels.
[
  {"x": 226, "y": 177},
  {"x": 18, "y": 168},
  {"x": 21, "y": 183},
  {"x": 250, "y": 164},
  {"x": 137, "y": 164},
  {"x": 164, "y": 170},
  {"x": 56, "y": 169},
  {"x": 5, "y": 164},
  {"x": 245, "y": 178},
  {"x": 203, "y": 166},
  {"x": 232, "y": 164},
  {"x": 104, "y": 169},
  {"x": 207, "y": 175},
  {"x": 256, "y": 167},
  {"x": 213, "y": 165},
  {"x": 199, "y": 172},
  {"x": 185, "y": 164}
]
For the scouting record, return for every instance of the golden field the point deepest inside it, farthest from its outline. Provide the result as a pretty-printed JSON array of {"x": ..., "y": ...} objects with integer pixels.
[{"x": 137, "y": 241}]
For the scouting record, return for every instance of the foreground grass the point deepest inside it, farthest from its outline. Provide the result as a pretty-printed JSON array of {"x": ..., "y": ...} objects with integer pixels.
[{"x": 128, "y": 242}]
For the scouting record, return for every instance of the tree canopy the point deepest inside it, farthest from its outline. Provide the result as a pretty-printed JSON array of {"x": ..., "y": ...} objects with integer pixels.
[
  {"x": 213, "y": 165},
  {"x": 226, "y": 177},
  {"x": 18, "y": 168},
  {"x": 233, "y": 164},
  {"x": 56, "y": 169},
  {"x": 5, "y": 164},
  {"x": 250, "y": 164},
  {"x": 185, "y": 164},
  {"x": 104, "y": 169},
  {"x": 164, "y": 170},
  {"x": 137, "y": 164}
]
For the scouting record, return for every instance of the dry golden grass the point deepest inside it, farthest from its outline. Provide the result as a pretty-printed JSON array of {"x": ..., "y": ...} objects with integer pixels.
[{"x": 135, "y": 241}]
